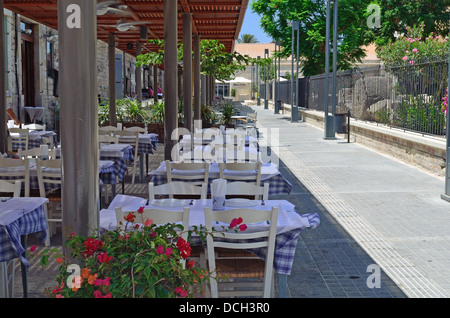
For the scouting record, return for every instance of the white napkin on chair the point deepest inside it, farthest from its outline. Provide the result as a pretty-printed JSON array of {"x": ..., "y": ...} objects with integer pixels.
[{"x": 218, "y": 187}]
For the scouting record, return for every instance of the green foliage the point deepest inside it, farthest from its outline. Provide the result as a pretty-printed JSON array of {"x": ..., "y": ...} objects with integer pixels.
[
  {"x": 157, "y": 113},
  {"x": 421, "y": 115},
  {"x": 247, "y": 38},
  {"x": 208, "y": 115},
  {"x": 413, "y": 47},
  {"x": 397, "y": 15},
  {"x": 353, "y": 32},
  {"x": 214, "y": 60},
  {"x": 228, "y": 111},
  {"x": 140, "y": 260}
]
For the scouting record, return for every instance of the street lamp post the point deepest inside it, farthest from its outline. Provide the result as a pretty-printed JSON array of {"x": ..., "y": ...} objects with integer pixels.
[
  {"x": 277, "y": 79},
  {"x": 258, "y": 95},
  {"x": 446, "y": 196},
  {"x": 329, "y": 120},
  {"x": 266, "y": 78},
  {"x": 294, "y": 108}
]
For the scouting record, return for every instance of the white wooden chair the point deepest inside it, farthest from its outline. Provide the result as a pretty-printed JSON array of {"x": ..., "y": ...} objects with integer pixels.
[
  {"x": 107, "y": 139},
  {"x": 241, "y": 171},
  {"x": 245, "y": 189},
  {"x": 20, "y": 137},
  {"x": 159, "y": 217},
  {"x": 131, "y": 138},
  {"x": 13, "y": 188},
  {"x": 239, "y": 269},
  {"x": 49, "y": 172},
  {"x": 194, "y": 172},
  {"x": 8, "y": 268},
  {"x": 41, "y": 153},
  {"x": 16, "y": 169},
  {"x": 177, "y": 188}
]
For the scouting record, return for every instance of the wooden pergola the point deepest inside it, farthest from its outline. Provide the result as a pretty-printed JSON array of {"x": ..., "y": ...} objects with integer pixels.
[{"x": 79, "y": 27}]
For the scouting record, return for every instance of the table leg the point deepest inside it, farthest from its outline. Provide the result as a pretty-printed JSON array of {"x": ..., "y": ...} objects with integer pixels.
[
  {"x": 282, "y": 285},
  {"x": 23, "y": 268}
]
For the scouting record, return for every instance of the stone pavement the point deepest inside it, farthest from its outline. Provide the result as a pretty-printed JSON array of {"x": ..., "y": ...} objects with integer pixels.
[{"x": 373, "y": 209}]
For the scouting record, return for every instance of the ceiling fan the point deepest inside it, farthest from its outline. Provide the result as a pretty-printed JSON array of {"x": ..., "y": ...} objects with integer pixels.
[
  {"x": 123, "y": 25},
  {"x": 112, "y": 7}
]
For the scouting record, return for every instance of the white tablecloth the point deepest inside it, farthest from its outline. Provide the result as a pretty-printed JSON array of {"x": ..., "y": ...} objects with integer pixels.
[
  {"x": 15, "y": 208},
  {"x": 288, "y": 219}
]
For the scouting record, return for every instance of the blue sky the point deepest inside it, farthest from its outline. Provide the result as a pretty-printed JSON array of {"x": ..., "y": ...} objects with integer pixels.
[{"x": 251, "y": 25}]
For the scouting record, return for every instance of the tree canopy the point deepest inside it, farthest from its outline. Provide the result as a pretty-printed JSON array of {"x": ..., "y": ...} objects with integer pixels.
[
  {"x": 397, "y": 16},
  {"x": 214, "y": 60},
  {"x": 276, "y": 17},
  {"x": 247, "y": 38},
  {"x": 353, "y": 32}
]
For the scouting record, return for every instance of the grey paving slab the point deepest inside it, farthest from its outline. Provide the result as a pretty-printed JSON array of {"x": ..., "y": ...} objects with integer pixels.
[{"x": 374, "y": 209}]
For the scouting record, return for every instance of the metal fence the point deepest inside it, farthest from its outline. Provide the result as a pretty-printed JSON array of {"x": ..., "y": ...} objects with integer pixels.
[{"x": 406, "y": 96}]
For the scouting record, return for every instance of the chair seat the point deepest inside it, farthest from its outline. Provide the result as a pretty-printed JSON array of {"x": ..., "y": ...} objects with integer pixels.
[
  {"x": 54, "y": 196},
  {"x": 240, "y": 268}
]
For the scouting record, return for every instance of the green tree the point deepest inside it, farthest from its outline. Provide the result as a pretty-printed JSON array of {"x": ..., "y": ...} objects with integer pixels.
[
  {"x": 214, "y": 60},
  {"x": 398, "y": 15},
  {"x": 276, "y": 16},
  {"x": 247, "y": 38}
]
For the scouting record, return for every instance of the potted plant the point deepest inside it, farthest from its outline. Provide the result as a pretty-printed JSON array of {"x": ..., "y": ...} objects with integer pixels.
[
  {"x": 228, "y": 111},
  {"x": 139, "y": 260}
]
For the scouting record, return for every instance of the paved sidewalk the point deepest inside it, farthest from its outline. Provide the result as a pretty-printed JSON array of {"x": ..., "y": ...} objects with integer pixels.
[{"x": 374, "y": 210}]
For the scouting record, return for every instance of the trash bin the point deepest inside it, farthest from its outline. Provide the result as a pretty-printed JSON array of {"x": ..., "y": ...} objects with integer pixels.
[{"x": 342, "y": 124}]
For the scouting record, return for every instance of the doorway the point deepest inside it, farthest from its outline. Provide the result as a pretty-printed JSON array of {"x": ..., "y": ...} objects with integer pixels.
[{"x": 28, "y": 85}]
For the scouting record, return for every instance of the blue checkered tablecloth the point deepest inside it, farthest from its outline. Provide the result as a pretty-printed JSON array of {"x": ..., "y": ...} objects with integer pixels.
[
  {"x": 121, "y": 163},
  {"x": 277, "y": 183},
  {"x": 33, "y": 143},
  {"x": 10, "y": 235},
  {"x": 108, "y": 175}
]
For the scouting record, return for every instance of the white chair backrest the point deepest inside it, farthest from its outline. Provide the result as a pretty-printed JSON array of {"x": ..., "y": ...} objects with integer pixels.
[
  {"x": 18, "y": 136},
  {"x": 11, "y": 187},
  {"x": 240, "y": 188},
  {"x": 136, "y": 128},
  {"x": 16, "y": 169},
  {"x": 241, "y": 171},
  {"x": 131, "y": 138},
  {"x": 34, "y": 127},
  {"x": 195, "y": 172},
  {"x": 159, "y": 217},
  {"x": 48, "y": 172},
  {"x": 177, "y": 188},
  {"x": 241, "y": 240},
  {"x": 108, "y": 130},
  {"x": 107, "y": 139},
  {"x": 42, "y": 153}
]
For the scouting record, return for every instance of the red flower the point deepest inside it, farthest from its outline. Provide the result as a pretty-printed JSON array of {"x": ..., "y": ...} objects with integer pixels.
[
  {"x": 160, "y": 250},
  {"x": 184, "y": 248},
  {"x": 190, "y": 264},
  {"x": 33, "y": 248},
  {"x": 104, "y": 258},
  {"x": 129, "y": 217},
  {"x": 98, "y": 294},
  {"x": 141, "y": 210},
  {"x": 235, "y": 222},
  {"x": 91, "y": 245},
  {"x": 181, "y": 291},
  {"x": 242, "y": 227}
]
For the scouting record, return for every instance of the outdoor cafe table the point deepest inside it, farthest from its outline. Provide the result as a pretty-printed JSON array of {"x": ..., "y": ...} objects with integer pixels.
[
  {"x": 147, "y": 143},
  {"x": 118, "y": 153},
  {"x": 36, "y": 139},
  {"x": 20, "y": 217},
  {"x": 269, "y": 173},
  {"x": 290, "y": 224}
]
